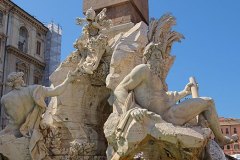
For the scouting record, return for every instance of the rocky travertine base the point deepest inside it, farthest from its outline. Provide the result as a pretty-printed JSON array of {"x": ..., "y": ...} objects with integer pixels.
[
  {"x": 214, "y": 151},
  {"x": 14, "y": 148},
  {"x": 81, "y": 111},
  {"x": 159, "y": 141}
]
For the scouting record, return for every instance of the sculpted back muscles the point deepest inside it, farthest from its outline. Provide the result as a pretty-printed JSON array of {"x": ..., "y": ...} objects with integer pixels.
[{"x": 22, "y": 100}]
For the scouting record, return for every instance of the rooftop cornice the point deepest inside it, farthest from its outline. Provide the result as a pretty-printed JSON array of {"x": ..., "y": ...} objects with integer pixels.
[
  {"x": 27, "y": 57},
  {"x": 18, "y": 10}
]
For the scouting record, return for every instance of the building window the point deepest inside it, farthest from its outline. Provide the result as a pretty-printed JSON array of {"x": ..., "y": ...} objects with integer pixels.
[
  {"x": 37, "y": 78},
  {"x": 38, "y": 51},
  {"x": 228, "y": 146},
  {"x": 235, "y": 130},
  {"x": 1, "y": 17},
  {"x": 236, "y": 147},
  {"x": 39, "y": 34},
  {"x": 227, "y": 132},
  {"x": 23, "y": 40}
]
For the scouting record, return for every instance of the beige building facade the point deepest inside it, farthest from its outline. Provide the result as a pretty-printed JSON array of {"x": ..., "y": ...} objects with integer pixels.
[
  {"x": 22, "y": 43},
  {"x": 230, "y": 126}
]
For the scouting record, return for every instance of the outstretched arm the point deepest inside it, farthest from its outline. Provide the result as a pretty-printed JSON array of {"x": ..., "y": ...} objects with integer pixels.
[
  {"x": 58, "y": 90},
  {"x": 176, "y": 96}
]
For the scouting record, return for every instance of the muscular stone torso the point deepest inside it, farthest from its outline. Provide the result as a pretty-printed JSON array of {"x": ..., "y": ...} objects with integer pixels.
[{"x": 150, "y": 94}]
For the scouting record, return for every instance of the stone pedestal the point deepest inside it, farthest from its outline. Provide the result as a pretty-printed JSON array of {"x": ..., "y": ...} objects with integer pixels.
[{"x": 121, "y": 11}]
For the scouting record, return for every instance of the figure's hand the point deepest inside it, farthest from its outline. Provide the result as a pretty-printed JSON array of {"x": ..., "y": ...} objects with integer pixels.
[
  {"x": 187, "y": 88},
  {"x": 138, "y": 114}
]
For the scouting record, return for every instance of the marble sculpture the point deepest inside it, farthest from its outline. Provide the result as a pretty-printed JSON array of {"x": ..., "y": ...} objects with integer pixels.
[{"x": 110, "y": 101}]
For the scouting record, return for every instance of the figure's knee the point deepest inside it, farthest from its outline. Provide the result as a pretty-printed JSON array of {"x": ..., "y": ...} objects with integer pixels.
[{"x": 209, "y": 101}]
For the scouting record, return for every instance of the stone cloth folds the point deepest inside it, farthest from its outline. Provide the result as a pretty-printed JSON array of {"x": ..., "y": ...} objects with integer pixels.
[{"x": 31, "y": 126}]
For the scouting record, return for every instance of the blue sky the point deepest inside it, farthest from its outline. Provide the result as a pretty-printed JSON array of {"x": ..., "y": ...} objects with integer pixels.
[{"x": 210, "y": 52}]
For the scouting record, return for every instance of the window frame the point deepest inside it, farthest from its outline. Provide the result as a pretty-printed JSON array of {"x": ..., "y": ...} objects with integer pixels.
[
  {"x": 38, "y": 48},
  {"x": 23, "y": 39}
]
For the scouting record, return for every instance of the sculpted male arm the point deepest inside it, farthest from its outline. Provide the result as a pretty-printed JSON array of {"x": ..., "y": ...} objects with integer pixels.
[
  {"x": 58, "y": 90},
  {"x": 176, "y": 96},
  {"x": 130, "y": 82}
]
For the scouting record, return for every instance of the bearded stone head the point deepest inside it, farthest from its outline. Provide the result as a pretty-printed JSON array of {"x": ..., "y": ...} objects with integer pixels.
[
  {"x": 15, "y": 78},
  {"x": 152, "y": 52}
]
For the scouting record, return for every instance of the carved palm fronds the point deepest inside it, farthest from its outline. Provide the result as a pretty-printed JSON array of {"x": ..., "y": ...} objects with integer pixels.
[{"x": 160, "y": 32}]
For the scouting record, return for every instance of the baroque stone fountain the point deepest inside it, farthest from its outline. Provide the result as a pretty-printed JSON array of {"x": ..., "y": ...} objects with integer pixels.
[{"x": 110, "y": 101}]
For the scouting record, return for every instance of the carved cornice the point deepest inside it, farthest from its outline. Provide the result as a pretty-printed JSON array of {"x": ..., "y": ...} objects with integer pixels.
[
  {"x": 19, "y": 11},
  {"x": 26, "y": 57}
]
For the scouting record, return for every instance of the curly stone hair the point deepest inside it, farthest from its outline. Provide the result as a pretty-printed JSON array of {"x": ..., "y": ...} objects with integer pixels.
[
  {"x": 148, "y": 51},
  {"x": 12, "y": 77}
]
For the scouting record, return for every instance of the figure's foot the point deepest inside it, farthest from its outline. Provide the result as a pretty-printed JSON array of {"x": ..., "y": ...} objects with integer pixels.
[{"x": 228, "y": 140}]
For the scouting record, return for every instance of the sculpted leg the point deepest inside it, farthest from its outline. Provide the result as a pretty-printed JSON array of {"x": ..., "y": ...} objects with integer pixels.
[
  {"x": 211, "y": 116},
  {"x": 183, "y": 112}
]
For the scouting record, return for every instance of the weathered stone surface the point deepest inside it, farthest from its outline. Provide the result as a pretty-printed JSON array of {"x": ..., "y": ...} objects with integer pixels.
[
  {"x": 214, "y": 152},
  {"x": 82, "y": 110},
  {"x": 127, "y": 54},
  {"x": 117, "y": 29},
  {"x": 14, "y": 148},
  {"x": 167, "y": 139}
]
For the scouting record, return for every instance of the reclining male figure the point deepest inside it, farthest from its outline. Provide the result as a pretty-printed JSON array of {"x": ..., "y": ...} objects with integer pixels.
[{"x": 149, "y": 93}]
